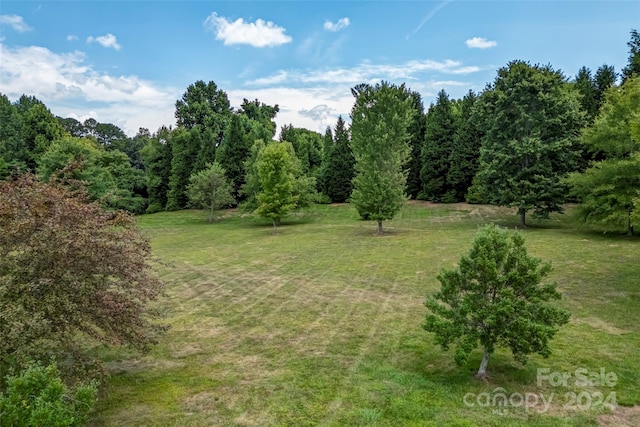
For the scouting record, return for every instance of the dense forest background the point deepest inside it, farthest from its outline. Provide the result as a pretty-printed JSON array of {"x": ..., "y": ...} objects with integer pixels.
[{"x": 532, "y": 139}]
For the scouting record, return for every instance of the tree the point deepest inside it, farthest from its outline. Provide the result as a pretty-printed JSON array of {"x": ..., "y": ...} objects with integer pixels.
[
  {"x": 436, "y": 150},
  {"x": 416, "y": 141},
  {"x": 275, "y": 168},
  {"x": 338, "y": 166},
  {"x": 209, "y": 189},
  {"x": 156, "y": 155},
  {"x": 531, "y": 118},
  {"x": 633, "y": 65},
  {"x": 464, "y": 157},
  {"x": 184, "y": 153},
  {"x": 72, "y": 274},
  {"x": 608, "y": 193},
  {"x": 586, "y": 86},
  {"x": 608, "y": 190},
  {"x": 205, "y": 105},
  {"x": 107, "y": 175},
  {"x": 234, "y": 151},
  {"x": 379, "y": 134},
  {"x": 495, "y": 299},
  {"x": 252, "y": 122},
  {"x": 38, "y": 397}
]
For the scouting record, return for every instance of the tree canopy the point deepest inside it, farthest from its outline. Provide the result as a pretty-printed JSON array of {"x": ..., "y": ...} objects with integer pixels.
[
  {"x": 379, "y": 140},
  {"x": 495, "y": 299},
  {"x": 70, "y": 271},
  {"x": 532, "y": 119}
]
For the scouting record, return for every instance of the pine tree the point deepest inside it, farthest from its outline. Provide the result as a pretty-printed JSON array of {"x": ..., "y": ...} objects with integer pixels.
[
  {"x": 465, "y": 153},
  {"x": 531, "y": 117},
  {"x": 436, "y": 150},
  {"x": 339, "y": 166}
]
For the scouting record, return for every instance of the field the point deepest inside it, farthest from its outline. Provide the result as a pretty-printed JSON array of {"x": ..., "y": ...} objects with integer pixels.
[{"x": 322, "y": 325}]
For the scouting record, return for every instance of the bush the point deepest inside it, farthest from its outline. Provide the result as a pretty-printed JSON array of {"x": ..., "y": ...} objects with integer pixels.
[{"x": 38, "y": 397}]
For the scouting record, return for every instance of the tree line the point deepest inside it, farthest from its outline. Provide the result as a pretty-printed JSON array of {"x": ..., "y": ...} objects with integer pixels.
[{"x": 532, "y": 139}]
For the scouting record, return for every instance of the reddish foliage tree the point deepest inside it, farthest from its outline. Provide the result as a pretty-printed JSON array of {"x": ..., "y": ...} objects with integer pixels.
[{"x": 71, "y": 274}]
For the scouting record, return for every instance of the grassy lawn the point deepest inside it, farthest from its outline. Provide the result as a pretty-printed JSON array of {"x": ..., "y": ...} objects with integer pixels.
[{"x": 321, "y": 325}]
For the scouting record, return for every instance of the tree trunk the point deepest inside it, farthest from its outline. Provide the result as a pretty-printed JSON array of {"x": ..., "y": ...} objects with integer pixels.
[
  {"x": 629, "y": 226},
  {"x": 211, "y": 214},
  {"x": 523, "y": 213},
  {"x": 275, "y": 227},
  {"x": 482, "y": 372},
  {"x": 379, "y": 228}
]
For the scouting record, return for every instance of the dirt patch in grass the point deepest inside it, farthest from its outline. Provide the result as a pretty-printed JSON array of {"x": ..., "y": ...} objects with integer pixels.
[
  {"x": 600, "y": 325},
  {"x": 621, "y": 417}
]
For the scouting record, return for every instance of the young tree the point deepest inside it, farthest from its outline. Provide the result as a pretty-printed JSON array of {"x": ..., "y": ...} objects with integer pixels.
[
  {"x": 275, "y": 168},
  {"x": 495, "y": 299},
  {"x": 338, "y": 165},
  {"x": 71, "y": 273},
  {"x": 379, "y": 134},
  {"x": 532, "y": 118},
  {"x": 209, "y": 189}
]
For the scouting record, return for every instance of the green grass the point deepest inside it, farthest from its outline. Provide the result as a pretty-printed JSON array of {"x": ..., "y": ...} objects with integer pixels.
[{"x": 321, "y": 325}]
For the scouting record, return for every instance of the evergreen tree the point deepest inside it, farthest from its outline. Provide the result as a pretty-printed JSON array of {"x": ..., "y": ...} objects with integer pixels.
[
  {"x": 234, "y": 151},
  {"x": 531, "y": 117},
  {"x": 157, "y": 156},
  {"x": 380, "y": 118},
  {"x": 436, "y": 150},
  {"x": 633, "y": 65},
  {"x": 465, "y": 152},
  {"x": 184, "y": 153},
  {"x": 339, "y": 166},
  {"x": 416, "y": 141},
  {"x": 586, "y": 86}
]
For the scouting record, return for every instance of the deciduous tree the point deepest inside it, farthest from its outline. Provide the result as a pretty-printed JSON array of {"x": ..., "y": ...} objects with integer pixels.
[
  {"x": 276, "y": 173},
  {"x": 209, "y": 189},
  {"x": 608, "y": 190},
  {"x": 379, "y": 133},
  {"x": 495, "y": 299},
  {"x": 71, "y": 274}
]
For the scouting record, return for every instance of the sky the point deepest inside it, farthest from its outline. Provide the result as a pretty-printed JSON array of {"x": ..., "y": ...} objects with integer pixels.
[{"x": 127, "y": 62}]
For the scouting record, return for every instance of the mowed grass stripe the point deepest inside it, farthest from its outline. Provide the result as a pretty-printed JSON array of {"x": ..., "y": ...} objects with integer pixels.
[{"x": 322, "y": 323}]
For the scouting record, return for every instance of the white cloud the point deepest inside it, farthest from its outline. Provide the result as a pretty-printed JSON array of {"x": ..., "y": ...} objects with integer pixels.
[
  {"x": 480, "y": 43},
  {"x": 71, "y": 38},
  {"x": 16, "y": 22},
  {"x": 108, "y": 40},
  {"x": 257, "y": 34},
  {"x": 313, "y": 108},
  {"x": 342, "y": 23},
  {"x": 366, "y": 73},
  {"x": 68, "y": 86}
]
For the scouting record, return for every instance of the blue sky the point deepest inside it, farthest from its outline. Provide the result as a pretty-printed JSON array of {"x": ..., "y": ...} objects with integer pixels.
[{"x": 127, "y": 62}]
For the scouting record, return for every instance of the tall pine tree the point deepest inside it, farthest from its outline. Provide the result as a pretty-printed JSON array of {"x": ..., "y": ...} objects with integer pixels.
[
  {"x": 437, "y": 147},
  {"x": 339, "y": 166}
]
